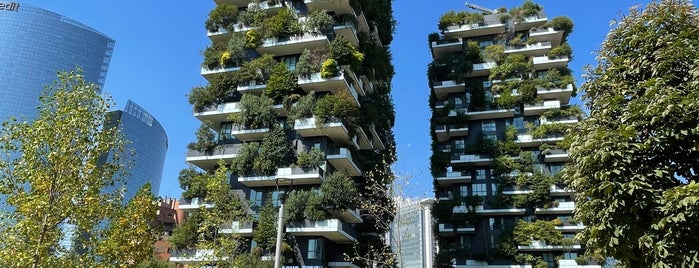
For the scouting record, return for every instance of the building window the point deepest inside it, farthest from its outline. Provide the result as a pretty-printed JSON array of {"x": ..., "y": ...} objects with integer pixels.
[
  {"x": 463, "y": 189},
  {"x": 479, "y": 189},
  {"x": 555, "y": 168},
  {"x": 459, "y": 144},
  {"x": 315, "y": 249},
  {"x": 484, "y": 44},
  {"x": 488, "y": 126},
  {"x": 549, "y": 259},
  {"x": 290, "y": 63},
  {"x": 275, "y": 198},
  {"x": 480, "y": 174},
  {"x": 226, "y": 130},
  {"x": 255, "y": 198},
  {"x": 487, "y": 84}
]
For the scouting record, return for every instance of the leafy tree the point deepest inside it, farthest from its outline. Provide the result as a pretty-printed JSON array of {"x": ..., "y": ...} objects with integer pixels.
[
  {"x": 206, "y": 139},
  {"x": 265, "y": 232},
  {"x": 339, "y": 106},
  {"x": 345, "y": 53},
  {"x": 311, "y": 158},
  {"x": 339, "y": 191},
  {"x": 282, "y": 82},
  {"x": 319, "y": 21},
  {"x": 257, "y": 112},
  {"x": 635, "y": 159},
  {"x": 56, "y": 172},
  {"x": 223, "y": 16},
  {"x": 562, "y": 24},
  {"x": 283, "y": 24},
  {"x": 275, "y": 152}
]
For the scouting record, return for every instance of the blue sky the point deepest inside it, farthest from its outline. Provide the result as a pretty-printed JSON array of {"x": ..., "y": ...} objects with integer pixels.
[{"x": 156, "y": 62}]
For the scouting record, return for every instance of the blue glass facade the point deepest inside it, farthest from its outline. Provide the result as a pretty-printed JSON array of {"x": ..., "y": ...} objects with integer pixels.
[
  {"x": 148, "y": 140},
  {"x": 34, "y": 45}
]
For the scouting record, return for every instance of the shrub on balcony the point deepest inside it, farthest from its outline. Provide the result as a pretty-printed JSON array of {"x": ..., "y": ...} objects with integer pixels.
[
  {"x": 495, "y": 53},
  {"x": 186, "y": 235},
  {"x": 256, "y": 71},
  {"x": 221, "y": 89},
  {"x": 242, "y": 164},
  {"x": 200, "y": 98},
  {"x": 339, "y": 106},
  {"x": 192, "y": 182},
  {"x": 453, "y": 18},
  {"x": 563, "y": 112},
  {"x": 283, "y": 24},
  {"x": 223, "y": 16},
  {"x": 212, "y": 55},
  {"x": 527, "y": 9},
  {"x": 329, "y": 69},
  {"x": 562, "y": 50},
  {"x": 265, "y": 232},
  {"x": 305, "y": 66},
  {"x": 514, "y": 66},
  {"x": 256, "y": 112},
  {"x": 311, "y": 158},
  {"x": 298, "y": 107},
  {"x": 319, "y": 21},
  {"x": 282, "y": 83},
  {"x": 561, "y": 23},
  {"x": 274, "y": 152},
  {"x": 338, "y": 191},
  {"x": 295, "y": 205},
  {"x": 206, "y": 139},
  {"x": 345, "y": 53},
  {"x": 540, "y": 230},
  {"x": 237, "y": 51},
  {"x": 253, "y": 39},
  {"x": 546, "y": 130},
  {"x": 254, "y": 16}
]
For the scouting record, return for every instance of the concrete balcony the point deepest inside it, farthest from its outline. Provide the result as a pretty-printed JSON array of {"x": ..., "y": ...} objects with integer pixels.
[
  {"x": 547, "y": 34},
  {"x": 285, "y": 176},
  {"x": 448, "y": 229},
  {"x": 561, "y": 208},
  {"x": 529, "y": 22},
  {"x": 472, "y": 159},
  {"x": 249, "y": 134},
  {"x": 315, "y": 82},
  {"x": 526, "y": 140},
  {"x": 546, "y": 62},
  {"x": 560, "y": 190},
  {"x": 557, "y": 155},
  {"x": 209, "y": 74},
  {"x": 475, "y": 29},
  {"x": 270, "y": 9},
  {"x": 442, "y": 47},
  {"x": 238, "y": 3},
  {"x": 376, "y": 140},
  {"x": 449, "y": 178},
  {"x": 481, "y": 69},
  {"x": 536, "y": 49},
  {"x": 341, "y": 159},
  {"x": 442, "y": 133},
  {"x": 540, "y": 108},
  {"x": 293, "y": 45},
  {"x": 515, "y": 190},
  {"x": 243, "y": 229},
  {"x": 332, "y": 229},
  {"x": 570, "y": 228},
  {"x": 223, "y": 35},
  {"x": 218, "y": 113},
  {"x": 332, "y": 128},
  {"x": 458, "y": 130},
  {"x": 252, "y": 87},
  {"x": 490, "y": 114},
  {"x": 208, "y": 160},
  {"x": 342, "y": 264},
  {"x": 194, "y": 203},
  {"x": 347, "y": 215},
  {"x": 499, "y": 211},
  {"x": 444, "y": 88},
  {"x": 192, "y": 255},
  {"x": 561, "y": 120},
  {"x": 484, "y": 264},
  {"x": 364, "y": 141},
  {"x": 339, "y": 6},
  {"x": 541, "y": 246},
  {"x": 574, "y": 264},
  {"x": 348, "y": 30},
  {"x": 561, "y": 94}
]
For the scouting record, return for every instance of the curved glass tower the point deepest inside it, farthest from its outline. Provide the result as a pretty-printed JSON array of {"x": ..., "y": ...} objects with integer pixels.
[
  {"x": 148, "y": 140},
  {"x": 34, "y": 45}
]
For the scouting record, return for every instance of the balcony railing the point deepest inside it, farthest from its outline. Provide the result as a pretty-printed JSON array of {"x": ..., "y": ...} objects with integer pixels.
[
  {"x": 449, "y": 178},
  {"x": 442, "y": 47},
  {"x": 474, "y": 29},
  {"x": 332, "y": 229},
  {"x": 540, "y": 108},
  {"x": 530, "y": 50},
  {"x": 293, "y": 44},
  {"x": 209, "y": 159},
  {"x": 192, "y": 255},
  {"x": 472, "y": 159},
  {"x": 560, "y": 208},
  {"x": 547, "y": 62}
]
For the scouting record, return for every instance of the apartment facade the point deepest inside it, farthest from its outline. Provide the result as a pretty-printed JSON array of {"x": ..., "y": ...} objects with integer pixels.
[
  {"x": 302, "y": 112},
  {"x": 500, "y": 93}
]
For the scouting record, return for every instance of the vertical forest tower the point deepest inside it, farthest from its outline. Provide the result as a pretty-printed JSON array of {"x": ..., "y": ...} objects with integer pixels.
[
  {"x": 500, "y": 89},
  {"x": 297, "y": 112}
]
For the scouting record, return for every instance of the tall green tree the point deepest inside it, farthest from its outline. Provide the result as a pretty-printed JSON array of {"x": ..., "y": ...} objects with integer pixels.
[
  {"x": 636, "y": 158},
  {"x": 58, "y": 170}
]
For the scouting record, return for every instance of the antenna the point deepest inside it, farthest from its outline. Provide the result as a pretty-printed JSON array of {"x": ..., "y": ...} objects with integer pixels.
[{"x": 485, "y": 10}]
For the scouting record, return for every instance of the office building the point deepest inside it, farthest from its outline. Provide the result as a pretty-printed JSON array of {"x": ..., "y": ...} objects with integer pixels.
[
  {"x": 411, "y": 233},
  {"x": 146, "y": 147},
  {"x": 298, "y": 97},
  {"x": 34, "y": 45},
  {"x": 500, "y": 93}
]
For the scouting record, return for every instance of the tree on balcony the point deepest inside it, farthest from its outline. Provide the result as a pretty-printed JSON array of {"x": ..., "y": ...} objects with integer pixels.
[
  {"x": 206, "y": 139},
  {"x": 265, "y": 231},
  {"x": 561, "y": 24},
  {"x": 635, "y": 159},
  {"x": 310, "y": 62},
  {"x": 282, "y": 83},
  {"x": 319, "y": 21},
  {"x": 283, "y": 24},
  {"x": 344, "y": 52},
  {"x": 193, "y": 183},
  {"x": 336, "y": 106},
  {"x": 527, "y": 9},
  {"x": 299, "y": 107},
  {"x": 453, "y": 18},
  {"x": 311, "y": 158},
  {"x": 560, "y": 51},
  {"x": 222, "y": 16},
  {"x": 338, "y": 191},
  {"x": 254, "y": 16},
  {"x": 275, "y": 152},
  {"x": 256, "y": 71},
  {"x": 514, "y": 66},
  {"x": 221, "y": 89}
]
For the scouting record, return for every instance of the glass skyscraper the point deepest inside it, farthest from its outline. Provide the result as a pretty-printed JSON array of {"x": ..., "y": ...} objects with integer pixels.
[
  {"x": 34, "y": 45},
  {"x": 148, "y": 140}
]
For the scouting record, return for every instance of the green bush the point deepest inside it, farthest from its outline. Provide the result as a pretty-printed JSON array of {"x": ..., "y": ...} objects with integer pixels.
[
  {"x": 200, "y": 98},
  {"x": 257, "y": 70},
  {"x": 242, "y": 164},
  {"x": 254, "y": 16},
  {"x": 338, "y": 191},
  {"x": 561, "y": 24},
  {"x": 311, "y": 158},
  {"x": 453, "y": 18},
  {"x": 345, "y": 53},
  {"x": 281, "y": 83},
  {"x": 562, "y": 50},
  {"x": 275, "y": 152},
  {"x": 542, "y": 230},
  {"x": 223, "y": 16},
  {"x": 329, "y": 68},
  {"x": 212, "y": 55},
  {"x": 206, "y": 139},
  {"x": 319, "y": 21},
  {"x": 236, "y": 48},
  {"x": 253, "y": 39},
  {"x": 298, "y": 107},
  {"x": 283, "y": 24},
  {"x": 257, "y": 112},
  {"x": 514, "y": 66},
  {"x": 340, "y": 106},
  {"x": 306, "y": 66}
]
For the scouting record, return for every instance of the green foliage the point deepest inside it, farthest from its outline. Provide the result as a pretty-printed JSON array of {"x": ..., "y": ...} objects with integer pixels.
[
  {"x": 433, "y": 37},
  {"x": 319, "y": 21},
  {"x": 243, "y": 163},
  {"x": 295, "y": 205},
  {"x": 206, "y": 139},
  {"x": 186, "y": 234},
  {"x": 514, "y": 66},
  {"x": 253, "y": 38},
  {"x": 547, "y": 130},
  {"x": 571, "y": 111},
  {"x": 495, "y": 53},
  {"x": 281, "y": 83},
  {"x": 236, "y": 49},
  {"x": 212, "y": 55},
  {"x": 527, "y": 9},
  {"x": 541, "y": 230},
  {"x": 254, "y": 16},
  {"x": 340, "y": 106},
  {"x": 58, "y": 174},
  {"x": 635, "y": 158},
  {"x": 192, "y": 182},
  {"x": 309, "y": 62},
  {"x": 256, "y": 71},
  {"x": 563, "y": 50},
  {"x": 301, "y": 109},
  {"x": 345, "y": 53},
  {"x": 275, "y": 152},
  {"x": 219, "y": 90},
  {"x": 222, "y": 16},
  {"x": 283, "y": 24},
  {"x": 311, "y": 158},
  {"x": 256, "y": 112},
  {"x": 265, "y": 232},
  {"x": 329, "y": 69},
  {"x": 338, "y": 191},
  {"x": 453, "y": 18},
  {"x": 561, "y": 23}
]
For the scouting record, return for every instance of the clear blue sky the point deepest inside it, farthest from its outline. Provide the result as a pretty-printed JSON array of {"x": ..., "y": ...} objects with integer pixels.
[{"x": 156, "y": 62}]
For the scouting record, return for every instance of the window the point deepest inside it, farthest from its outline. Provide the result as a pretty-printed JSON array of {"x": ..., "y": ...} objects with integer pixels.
[
  {"x": 493, "y": 188},
  {"x": 487, "y": 84},
  {"x": 488, "y": 126},
  {"x": 226, "y": 130},
  {"x": 519, "y": 124},
  {"x": 463, "y": 189},
  {"x": 549, "y": 259},
  {"x": 480, "y": 174},
  {"x": 459, "y": 144},
  {"x": 290, "y": 63},
  {"x": 315, "y": 249},
  {"x": 275, "y": 198},
  {"x": 555, "y": 168},
  {"x": 255, "y": 198},
  {"x": 479, "y": 189},
  {"x": 486, "y": 43}
]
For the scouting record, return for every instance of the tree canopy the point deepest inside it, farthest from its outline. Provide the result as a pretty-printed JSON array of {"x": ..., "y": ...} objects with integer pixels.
[{"x": 636, "y": 158}]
